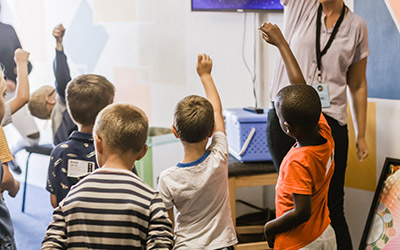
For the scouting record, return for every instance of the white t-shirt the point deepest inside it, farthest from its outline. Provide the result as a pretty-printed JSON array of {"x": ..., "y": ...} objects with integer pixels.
[
  {"x": 349, "y": 46},
  {"x": 199, "y": 191}
]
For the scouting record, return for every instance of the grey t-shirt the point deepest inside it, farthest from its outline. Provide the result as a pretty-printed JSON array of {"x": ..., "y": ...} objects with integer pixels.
[{"x": 349, "y": 47}]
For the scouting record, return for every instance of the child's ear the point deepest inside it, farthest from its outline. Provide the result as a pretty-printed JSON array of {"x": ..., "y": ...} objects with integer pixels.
[
  {"x": 174, "y": 131},
  {"x": 50, "y": 100},
  {"x": 289, "y": 128},
  {"x": 143, "y": 152},
  {"x": 98, "y": 144}
]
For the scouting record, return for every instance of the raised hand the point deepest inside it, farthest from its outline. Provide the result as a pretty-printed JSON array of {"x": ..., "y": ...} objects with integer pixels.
[
  {"x": 272, "y": 34},
  {"x": 21, "y": 56},
  {"x": 58, "y": 33},
  {"x": 204, "y": 64}
]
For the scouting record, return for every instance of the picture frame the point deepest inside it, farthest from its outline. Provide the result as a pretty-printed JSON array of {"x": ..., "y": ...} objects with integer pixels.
[{"x": 382, "y": 228}]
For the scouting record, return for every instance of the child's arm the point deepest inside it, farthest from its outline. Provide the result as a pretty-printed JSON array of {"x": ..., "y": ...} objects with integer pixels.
[
  {"x": 272, "y": 35},
  {"x": 298, "y": 215},
  {"x": 22, "y": 97},
  {"x": 160, "y": 234},
  {"x": 60, "y": 66},
  {"x": 204, "y": 66},
  {"x": 171, "y": 217},
  {"x": 9, "y": 183},
  {"x": 56, "y": 237},
  {"x": 53, "y": 200}
]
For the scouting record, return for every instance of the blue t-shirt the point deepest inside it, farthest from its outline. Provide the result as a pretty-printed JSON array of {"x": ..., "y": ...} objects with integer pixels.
[
  {"x": 6, "y": 228},
  {"x": 79, "y": 152}
]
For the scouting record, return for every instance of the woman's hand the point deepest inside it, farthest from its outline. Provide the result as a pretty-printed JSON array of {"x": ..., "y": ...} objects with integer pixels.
[{"x": 362, "y": 149}]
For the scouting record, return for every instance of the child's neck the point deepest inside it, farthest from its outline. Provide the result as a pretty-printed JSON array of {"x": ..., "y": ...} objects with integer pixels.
[
  {"x": 310, "y": 138},
  {"x": 194, "y": 151},
  {"x": 118, "y": 161},
  {"x": 85, "y": 129}
]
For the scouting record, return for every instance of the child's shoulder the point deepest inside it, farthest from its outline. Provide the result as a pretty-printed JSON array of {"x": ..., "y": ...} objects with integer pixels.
[
  {"x": 170, "y": 172},
  {"x": 76, "y": 141},
  {"x": 123, "y": 176}
]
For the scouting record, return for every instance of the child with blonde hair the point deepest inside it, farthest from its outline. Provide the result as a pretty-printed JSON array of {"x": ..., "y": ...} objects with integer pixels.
[
  {"x": 198, "y": 186},
  {"x": 113, "y": 208}
]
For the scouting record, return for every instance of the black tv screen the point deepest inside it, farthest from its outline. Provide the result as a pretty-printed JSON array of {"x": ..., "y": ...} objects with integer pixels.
[{"x": 235, "y": 5}]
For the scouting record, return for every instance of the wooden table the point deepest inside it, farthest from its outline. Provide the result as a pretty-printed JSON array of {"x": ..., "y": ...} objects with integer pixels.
[{"x": 247, "y": 175}]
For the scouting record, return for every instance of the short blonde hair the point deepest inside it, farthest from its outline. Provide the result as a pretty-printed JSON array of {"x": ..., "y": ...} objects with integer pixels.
[
  {"x": 86, "y": 96},
  {"x": 194, "y": 119},
  {"x": 38, "y": 104},
  {"x": 122, "y": 127}
]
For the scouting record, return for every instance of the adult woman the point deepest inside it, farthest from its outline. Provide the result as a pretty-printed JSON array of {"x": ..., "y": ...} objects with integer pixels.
[
  {"x": 331, "y": 45},
  {"x": 21, "y": 117}
]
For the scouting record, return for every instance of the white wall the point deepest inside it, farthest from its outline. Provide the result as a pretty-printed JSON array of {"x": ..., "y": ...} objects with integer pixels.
[{"x": 160, "y": 44}]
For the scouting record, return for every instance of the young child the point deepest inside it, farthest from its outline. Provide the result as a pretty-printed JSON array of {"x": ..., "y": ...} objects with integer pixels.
[
  {"x": 7, "y": 181},
  {"x": 49, "y": 103},
  {"x": 72, "y": 160},
  {"x": 113, "y": 208},
  {"x": 302, "y": 190},
  {"x": 198, "y": 186},
  {"x": 23, "y": 122}
]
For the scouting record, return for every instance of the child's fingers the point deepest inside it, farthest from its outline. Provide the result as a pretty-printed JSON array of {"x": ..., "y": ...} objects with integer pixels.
[
  {"x": 265, "y": 37},
  {"x": 208, "y": 59}
]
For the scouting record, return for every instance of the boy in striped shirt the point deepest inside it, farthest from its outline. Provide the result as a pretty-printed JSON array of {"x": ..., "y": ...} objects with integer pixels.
[{"x": 112, "y": 208}]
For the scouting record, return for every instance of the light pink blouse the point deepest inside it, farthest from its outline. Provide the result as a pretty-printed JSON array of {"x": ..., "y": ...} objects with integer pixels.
[{"x": 349, "y": 47}]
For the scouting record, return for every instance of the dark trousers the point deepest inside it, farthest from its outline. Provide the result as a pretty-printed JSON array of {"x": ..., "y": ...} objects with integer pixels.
[{"x": 279, "y": 144}]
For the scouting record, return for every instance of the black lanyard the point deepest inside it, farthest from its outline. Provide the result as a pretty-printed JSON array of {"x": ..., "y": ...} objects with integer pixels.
[{"x": 320, "y": 53}]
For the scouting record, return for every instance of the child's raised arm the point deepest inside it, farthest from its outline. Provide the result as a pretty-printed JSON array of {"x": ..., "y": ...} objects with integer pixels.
[
  {"x": 60, "y": 65},
  {"x": 273, "y": 35},
  {"x": 204, "y": 66},
  {"x": 22, "y": 97}
]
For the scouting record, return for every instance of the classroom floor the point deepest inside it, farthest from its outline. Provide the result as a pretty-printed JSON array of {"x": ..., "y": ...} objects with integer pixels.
[{"x": 30, "y": 227}]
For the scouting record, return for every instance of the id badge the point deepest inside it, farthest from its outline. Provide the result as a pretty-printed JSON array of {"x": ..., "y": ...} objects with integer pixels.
[
  {"x": 323, "y": 92},
  {"x": 79, "y": 168}
]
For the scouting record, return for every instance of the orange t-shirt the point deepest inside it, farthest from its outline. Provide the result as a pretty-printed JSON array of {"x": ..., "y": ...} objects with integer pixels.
[
  {"x": 5, "y": 154},
  {"x": 306, "y": 170}
]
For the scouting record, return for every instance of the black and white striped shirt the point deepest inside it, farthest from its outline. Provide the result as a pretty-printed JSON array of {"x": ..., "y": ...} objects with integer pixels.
[{"x": 110, "y": 209}]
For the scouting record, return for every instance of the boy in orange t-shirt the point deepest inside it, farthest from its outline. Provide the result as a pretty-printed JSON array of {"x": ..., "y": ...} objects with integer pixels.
[{"x": 305, "y": 173}]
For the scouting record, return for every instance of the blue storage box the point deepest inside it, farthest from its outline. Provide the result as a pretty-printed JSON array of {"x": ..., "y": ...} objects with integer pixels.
[{"x": 246, "y": 133}]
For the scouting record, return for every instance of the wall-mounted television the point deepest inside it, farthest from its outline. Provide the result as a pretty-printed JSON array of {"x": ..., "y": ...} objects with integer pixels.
[{"x": 236, "y": 5}]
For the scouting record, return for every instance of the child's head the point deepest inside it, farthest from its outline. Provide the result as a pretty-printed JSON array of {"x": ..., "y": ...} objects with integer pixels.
[
  {"x": 121, "y": 128},
  {"x": 194, "y": 119},
  {"x": 42, "y": 102},
  {"x": 86, "y": 96},
  {"x": 298, "y": 106},
  {"x": 3, "y": 90}
]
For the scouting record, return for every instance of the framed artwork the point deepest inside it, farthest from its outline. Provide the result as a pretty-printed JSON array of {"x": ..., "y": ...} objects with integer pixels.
[{"x": 382, "y": 229}]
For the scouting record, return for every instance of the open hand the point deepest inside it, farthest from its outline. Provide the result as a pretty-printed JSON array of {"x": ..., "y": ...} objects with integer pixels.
[
  {"x": 204, "y": 64},
  {"x": 21, "y": 56},
  {"x": 272, "y": 34},
  {"x": 58, "y": 33}
]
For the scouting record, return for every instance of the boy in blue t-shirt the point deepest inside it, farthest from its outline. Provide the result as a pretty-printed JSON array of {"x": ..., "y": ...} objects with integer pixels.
[{"x": 86, "y": 96}]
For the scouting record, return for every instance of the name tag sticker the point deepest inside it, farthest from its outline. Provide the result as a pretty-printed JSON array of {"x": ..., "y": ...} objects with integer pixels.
[
  {"x": 79, "y": 168},
  {"x": 323, "y": 92}
]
